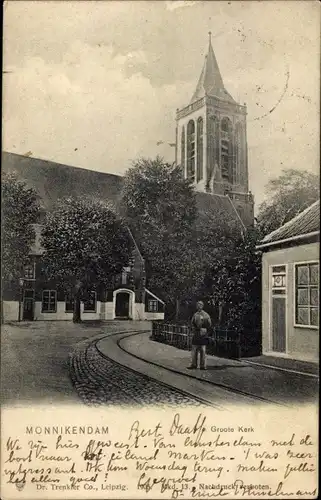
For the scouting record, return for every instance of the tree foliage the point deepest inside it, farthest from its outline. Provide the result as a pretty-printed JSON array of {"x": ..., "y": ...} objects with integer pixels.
[
  {"x": 181, "y": 244},
  {"x": 159, "y": 205},
  {"x": 20, "y": 210},
  {"x": 236, "y": 283},
  {"x": 85, "y": 245},
  {"x": 287, "y": 195}
]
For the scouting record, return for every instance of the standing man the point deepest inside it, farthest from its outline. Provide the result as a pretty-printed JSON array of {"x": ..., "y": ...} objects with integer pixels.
[{"x": 201, "y": 322}]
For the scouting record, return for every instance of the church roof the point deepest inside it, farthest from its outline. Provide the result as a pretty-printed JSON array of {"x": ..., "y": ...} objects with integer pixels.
[
  {"x": 211, "y": 82},
  {"x": 303, "y": 225},
  {"x": 53, "y": 180},
  {"x": 221, "y": 208}
]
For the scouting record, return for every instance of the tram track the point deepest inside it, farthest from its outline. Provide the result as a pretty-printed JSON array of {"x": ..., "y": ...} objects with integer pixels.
[
  {"x": 186, "y": 394},
  {"x": 98, "y": 383},
  {"x": 214, "y": 384},
  {"x": 98, "y": 376}
]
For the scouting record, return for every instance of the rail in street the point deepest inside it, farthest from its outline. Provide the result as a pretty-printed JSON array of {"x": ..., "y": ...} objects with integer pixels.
[
  {"x": 103, "y": 371},
  {"x": 101, "y": 380}
]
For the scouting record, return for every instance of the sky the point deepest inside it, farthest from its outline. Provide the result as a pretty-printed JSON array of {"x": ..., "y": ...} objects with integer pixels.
[{"x": 97, "y": 84}]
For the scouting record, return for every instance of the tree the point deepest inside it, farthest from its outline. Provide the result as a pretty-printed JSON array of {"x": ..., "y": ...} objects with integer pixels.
[
  {"x": 287, "y": 195},
  {"x": 85, "y": 245},
  {"x": 234, "y": 287},
  {"x": 213, "y": 237},
  {"x": 160, "y": 207},
  {"x": 20, "y": 210}
]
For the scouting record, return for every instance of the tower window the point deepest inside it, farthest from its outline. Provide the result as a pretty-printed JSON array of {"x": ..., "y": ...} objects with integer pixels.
[
  {"x": 239, "y": 154},
  {"x": 225, "y": 125},
  {"x": 199, "y": 149},
  {"x": 183, "y": 150},
  {"x": 226, "y": 149},
  {"x": 191, "y": 150},
  {"x": 225, "y": 159},
  {"x": 213, "y": 138}
]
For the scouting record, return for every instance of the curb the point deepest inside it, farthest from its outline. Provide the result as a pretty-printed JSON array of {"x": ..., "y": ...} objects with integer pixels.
[{"x": 306, "y": 374}]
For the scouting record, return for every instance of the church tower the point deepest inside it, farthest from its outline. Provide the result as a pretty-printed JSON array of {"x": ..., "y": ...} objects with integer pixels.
[{"x": 211, "y": 144}]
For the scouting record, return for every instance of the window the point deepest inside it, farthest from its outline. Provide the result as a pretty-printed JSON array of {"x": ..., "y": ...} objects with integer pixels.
[
  {"x": 49, "y": 301},
  {"x": 29, "y": 271},
  {"x": 278, "y": 280},
  {"x": 191, "y": 150},
  {"x": 307, "y": 294},
  {"x": 152, "y": 306},
  {"x": 226, "y": 128},
  {"x": 199, "y": 149},
  {"x": 90, "y": 302},
  {"x": 225, "y": 160},
  {"x": 225, "y": 125},
  {"x": 125, "y": 276},
  {"x": 238, "y": 166},
  {"x": 69, "y": 303},
  {"x": 213, "y": 141},
  {"x": 183, "y": 150}
]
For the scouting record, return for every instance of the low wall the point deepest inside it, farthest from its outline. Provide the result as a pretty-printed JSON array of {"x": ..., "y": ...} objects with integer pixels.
[{"x": 10, "y": 310}]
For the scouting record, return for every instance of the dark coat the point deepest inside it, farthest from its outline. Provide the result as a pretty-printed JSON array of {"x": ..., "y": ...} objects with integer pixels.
[{"x": 200, "y": 320}]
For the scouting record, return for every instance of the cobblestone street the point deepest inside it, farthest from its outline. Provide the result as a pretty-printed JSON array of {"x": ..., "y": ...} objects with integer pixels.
[
  {"x": 116, "y": 363},
  {"x": 99, "y": 380},
  {"x": 58, "y": 363}
]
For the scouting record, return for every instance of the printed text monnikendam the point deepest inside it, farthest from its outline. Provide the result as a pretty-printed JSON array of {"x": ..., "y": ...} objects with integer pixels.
[{"x": 66, "y": 429}]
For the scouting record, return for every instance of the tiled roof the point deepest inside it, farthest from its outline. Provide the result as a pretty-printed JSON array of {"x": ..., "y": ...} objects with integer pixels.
[
  {"x": 221, "y": 208},
  {"x": 303, "y": 224},
  {"x": 53, "y": 180}
]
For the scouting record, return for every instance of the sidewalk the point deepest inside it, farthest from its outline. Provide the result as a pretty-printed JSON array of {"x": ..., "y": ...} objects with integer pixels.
[
  {"x": 285, "y": 364},
  {"x": 280, "y": 386}
]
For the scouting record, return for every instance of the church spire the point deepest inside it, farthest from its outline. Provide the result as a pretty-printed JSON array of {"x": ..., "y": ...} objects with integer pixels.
[{"x": 210, "y": 81}]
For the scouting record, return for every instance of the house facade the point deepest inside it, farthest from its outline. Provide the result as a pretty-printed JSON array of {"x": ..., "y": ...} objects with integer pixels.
[
  {"x": 32, "y": 298},
  {"x": 290, "y": 288},
  {"x": 125, "y": 297}
]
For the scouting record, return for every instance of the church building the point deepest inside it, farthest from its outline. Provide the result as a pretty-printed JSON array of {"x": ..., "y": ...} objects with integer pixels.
[
  {"x": 211, "y": 144},
  {"x": 211, "y": 148}
]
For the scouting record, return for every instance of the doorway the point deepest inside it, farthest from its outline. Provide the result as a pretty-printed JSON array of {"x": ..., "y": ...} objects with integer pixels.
[
  {"x": 278, "y": 309},
  {"x": 278, "y": 324},
  {"x": 28, "y": 305},
  {"x": 122, "y": 305}
]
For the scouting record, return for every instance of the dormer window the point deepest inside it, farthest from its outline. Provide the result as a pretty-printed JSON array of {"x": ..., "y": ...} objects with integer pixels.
[{"x": 29, "y": 271}]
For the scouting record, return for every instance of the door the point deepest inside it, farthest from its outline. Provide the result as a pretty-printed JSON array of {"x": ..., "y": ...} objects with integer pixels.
[
  {"x": 278, "y": 324},
  {"x": 28, "y": 305},
  {"x": 122, "y": 305},
  {"x": 278, "y": 319}
]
